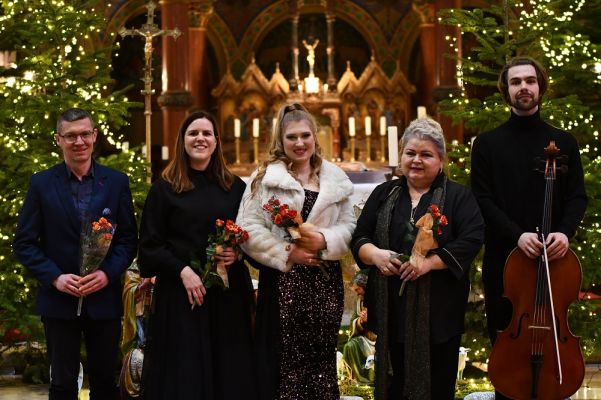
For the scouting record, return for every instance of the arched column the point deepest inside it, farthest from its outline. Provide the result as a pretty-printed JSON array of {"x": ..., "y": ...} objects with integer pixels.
[
  {"x": 199, "y": 17},
  {"x": 427, "y": 42},
  {"x": 448, "y": 40},
  {"x": 330, "y": 19},
  {"x": 175, "y": 98}
]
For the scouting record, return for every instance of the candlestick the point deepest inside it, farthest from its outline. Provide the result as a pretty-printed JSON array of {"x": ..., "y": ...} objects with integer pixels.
[
  {"x": 351, "y": 126},
  {"x": 237, "y": 144},
  {"x": 353, "y": 148},
  {"x": 368, "y": 126},
  {"x": 256, "y": 149},
  {"x": 237, "y": 128},
  {"x": 255, "y": 127},
  {"x": 368, "y": 147},
  {"x": 383, "y": 148},
  {"x": 393, "y": 147},
  {"x": 382, "y": 126}
]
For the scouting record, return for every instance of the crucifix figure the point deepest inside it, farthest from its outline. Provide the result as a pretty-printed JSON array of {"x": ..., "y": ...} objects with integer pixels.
[
  {"x": 148, "y": 31},
  {"x": 311, "y": 56}
]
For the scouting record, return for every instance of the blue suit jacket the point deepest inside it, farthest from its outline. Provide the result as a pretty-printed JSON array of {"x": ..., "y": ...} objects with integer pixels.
[{"x": 47, "y": 240}]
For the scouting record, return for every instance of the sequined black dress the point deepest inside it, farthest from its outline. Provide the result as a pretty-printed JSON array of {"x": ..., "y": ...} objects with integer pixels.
[{"x": 298, "y": 317}]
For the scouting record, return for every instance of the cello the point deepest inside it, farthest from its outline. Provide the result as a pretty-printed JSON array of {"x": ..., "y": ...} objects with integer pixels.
[{"x": 536, "y": 356}]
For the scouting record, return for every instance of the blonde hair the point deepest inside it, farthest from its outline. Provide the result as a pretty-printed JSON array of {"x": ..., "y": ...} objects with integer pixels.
[{"x": 289, "y": 113}]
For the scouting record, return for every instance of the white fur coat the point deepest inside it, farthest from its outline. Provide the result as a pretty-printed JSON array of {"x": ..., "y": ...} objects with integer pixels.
[{"x": 332, "y": 214}]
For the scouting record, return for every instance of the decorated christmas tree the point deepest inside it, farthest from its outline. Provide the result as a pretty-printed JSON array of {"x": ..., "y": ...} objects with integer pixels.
[
  {"x": 54, "y": 59},
  {"x": 558, "y": 33}
]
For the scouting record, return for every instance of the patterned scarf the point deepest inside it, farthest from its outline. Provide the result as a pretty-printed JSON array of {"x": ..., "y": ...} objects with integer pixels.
[{"x": 417, "y": 315}]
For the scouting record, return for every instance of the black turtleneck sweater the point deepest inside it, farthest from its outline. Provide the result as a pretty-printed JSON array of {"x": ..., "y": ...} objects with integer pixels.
[{"x": 511, "y": 193}]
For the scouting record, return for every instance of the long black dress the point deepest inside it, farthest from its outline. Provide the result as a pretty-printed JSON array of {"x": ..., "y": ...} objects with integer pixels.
[
  {"x": 205, "y": 352},
  {"x": 298, "y": 317}
]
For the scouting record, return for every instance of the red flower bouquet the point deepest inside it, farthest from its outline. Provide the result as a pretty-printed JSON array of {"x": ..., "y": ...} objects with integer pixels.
[
  {"x": 227, "y": 234},
  {"x": 95, "y": 241},
  {"x": 429, "y": 230},
  {"x": 282, "y": 215}
]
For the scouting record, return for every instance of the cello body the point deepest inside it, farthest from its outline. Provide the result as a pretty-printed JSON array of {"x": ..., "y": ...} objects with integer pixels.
[{"x": 523, "y": 364}]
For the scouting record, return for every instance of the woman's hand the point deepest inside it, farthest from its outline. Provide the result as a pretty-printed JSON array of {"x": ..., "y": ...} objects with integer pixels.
[
  {"x": 301, "y": 255},
  {"x": 193, "y": 285},
  {"x": 311, "y": 240},
  {"x": 228, "y": 256},
  {"x": 418, "y": 266},
  {"x": 372, "y": 255}
]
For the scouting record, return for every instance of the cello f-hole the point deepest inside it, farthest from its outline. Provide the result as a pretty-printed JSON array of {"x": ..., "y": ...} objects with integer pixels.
[{"x": 519, "y": 331}]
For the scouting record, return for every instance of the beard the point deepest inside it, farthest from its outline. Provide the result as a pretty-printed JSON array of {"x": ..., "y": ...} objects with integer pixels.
[{"x": 525, "y": 104}]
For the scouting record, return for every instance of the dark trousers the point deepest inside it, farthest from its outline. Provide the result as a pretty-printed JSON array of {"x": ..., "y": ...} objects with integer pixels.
[
  {"x": 498, "y": 308},
  {"x": 63, "y": 338},
  {"x": 443, "y": 369}
]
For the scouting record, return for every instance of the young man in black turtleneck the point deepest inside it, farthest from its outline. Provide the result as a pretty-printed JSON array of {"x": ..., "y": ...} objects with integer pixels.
[{"x": 510, "y": 190}]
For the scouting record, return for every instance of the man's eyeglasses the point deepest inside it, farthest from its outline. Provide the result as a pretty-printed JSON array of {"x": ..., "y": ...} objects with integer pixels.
[{"x": 72, "y": 138}]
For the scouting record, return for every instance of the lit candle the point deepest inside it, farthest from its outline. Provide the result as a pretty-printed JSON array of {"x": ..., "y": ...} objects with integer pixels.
[
  {"x": 351, "y": 126},
  {"x": 237, "y": 128},
  {"x": 165, "y": 153},
  {"x": 255, "y": 127},
  {"x": 393, "y": 146},
  {"x": 367, "y": 126},
  {"x": 382, "y": 126},
  {"x": 421, "y": 112}
]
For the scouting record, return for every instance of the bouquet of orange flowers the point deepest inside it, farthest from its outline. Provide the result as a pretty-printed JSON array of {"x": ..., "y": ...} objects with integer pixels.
[
  {"x": 429, "y": 230},
  {"x": 227, "y": 234},
  {"x": 282, "y": 215},
  {"x": 95, "y": 241}
]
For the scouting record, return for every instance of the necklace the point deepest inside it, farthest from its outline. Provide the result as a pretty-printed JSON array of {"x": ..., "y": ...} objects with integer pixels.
[{"x": 414, "y": 204}]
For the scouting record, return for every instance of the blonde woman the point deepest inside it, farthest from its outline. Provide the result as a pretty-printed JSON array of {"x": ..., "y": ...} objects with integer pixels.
[{"x": 299, "y": 307}]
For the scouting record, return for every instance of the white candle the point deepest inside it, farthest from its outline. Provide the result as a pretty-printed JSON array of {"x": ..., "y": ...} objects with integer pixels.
[
  {"x": 237, "y": 128},
  {"x": 382, "y": 126},
  {"x": 274, "y": 123},
  {"x": 165, "y": 153},
  {"x": 255, "y": 127},
  {"x": 144, "y": 149},
  {"x": 421, "y": 112},
  {"x": 393, "y": 146},
  {"x": 351, "y": 126},
  {"x": 125, "y": 146},
  {"x": 367, "y": 126}
]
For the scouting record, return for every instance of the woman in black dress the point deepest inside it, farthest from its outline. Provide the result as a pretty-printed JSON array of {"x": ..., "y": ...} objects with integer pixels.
[
  {"x": 199, "y": 344},
  {"x": 419, "y": 331},
  {"x": 299, "y": 307}
]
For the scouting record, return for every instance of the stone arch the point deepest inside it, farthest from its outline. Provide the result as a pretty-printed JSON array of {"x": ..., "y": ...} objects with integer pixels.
[{"x": 278, "y": 12}]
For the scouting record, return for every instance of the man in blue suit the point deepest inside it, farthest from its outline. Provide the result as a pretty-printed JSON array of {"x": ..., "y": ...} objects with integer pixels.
[{"x": 60, "y": 201}]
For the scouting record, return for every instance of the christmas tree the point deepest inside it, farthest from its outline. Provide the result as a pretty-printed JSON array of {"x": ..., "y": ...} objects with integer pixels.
[
  {"x": 558, "y": 33},
  {"x": 54, "y": 59}
]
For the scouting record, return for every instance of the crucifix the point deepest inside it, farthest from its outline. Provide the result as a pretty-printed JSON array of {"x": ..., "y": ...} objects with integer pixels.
[{"x": 148, "y": 31}]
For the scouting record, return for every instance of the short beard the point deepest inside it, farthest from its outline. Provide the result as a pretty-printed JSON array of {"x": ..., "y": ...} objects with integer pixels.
[{"x": 526, "y": 106}]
